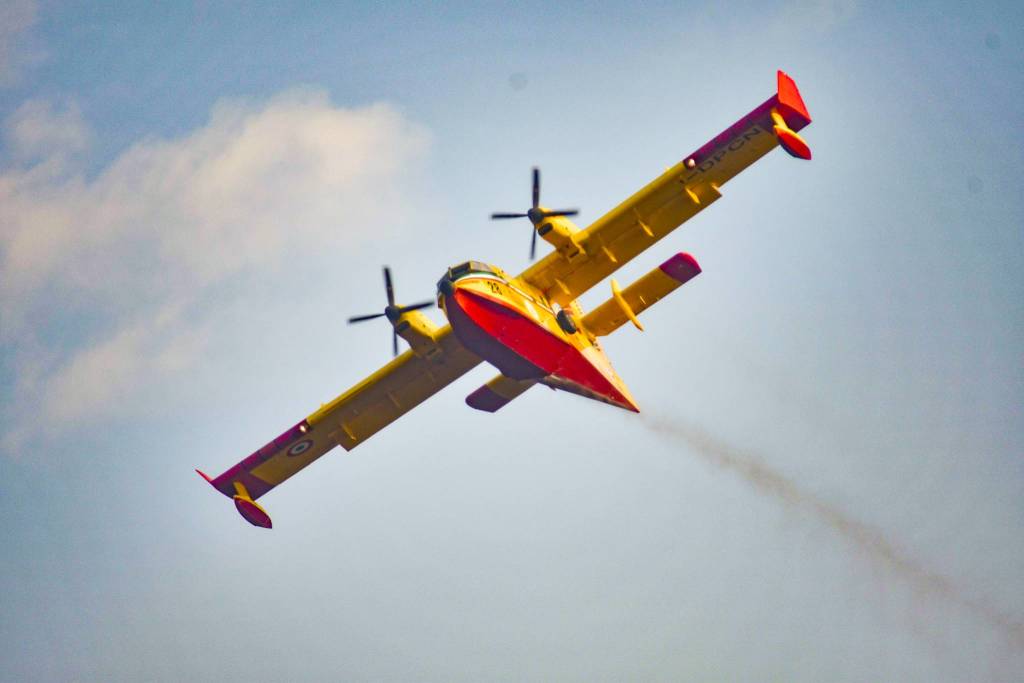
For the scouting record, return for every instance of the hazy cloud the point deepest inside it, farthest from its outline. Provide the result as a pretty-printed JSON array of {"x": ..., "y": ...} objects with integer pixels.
[
  {"x": 149, "y": 349},
  {"x": 38, "y": 130},
  {"x": 140, "y": 244}
]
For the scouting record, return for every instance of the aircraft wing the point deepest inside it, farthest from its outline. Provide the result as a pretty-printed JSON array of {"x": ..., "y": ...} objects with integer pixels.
[
  {"x": 672, "y": 198},
  {"x": 347, "y": 421}
]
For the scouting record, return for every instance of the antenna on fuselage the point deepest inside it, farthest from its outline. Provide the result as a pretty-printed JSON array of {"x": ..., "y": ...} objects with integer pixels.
[
  {"x": 537, "y": 213},
  {"x": 392, "y": 312}
]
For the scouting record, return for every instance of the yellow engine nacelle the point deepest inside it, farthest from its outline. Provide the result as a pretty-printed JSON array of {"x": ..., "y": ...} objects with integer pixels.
[
  {"x": 560, "y": 233},
  {"x": 420, "y": 331}
]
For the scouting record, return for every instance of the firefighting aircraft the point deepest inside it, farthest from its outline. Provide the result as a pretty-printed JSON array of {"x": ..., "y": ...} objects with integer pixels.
[{"x": 530, "y": 327}]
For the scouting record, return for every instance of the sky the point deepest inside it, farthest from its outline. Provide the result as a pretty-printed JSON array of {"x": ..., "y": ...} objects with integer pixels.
[{"x": 826, "y": 478}]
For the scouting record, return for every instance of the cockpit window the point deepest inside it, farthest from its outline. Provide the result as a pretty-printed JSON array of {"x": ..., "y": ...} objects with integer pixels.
[
  {"x": 470, "y": 267},
  {"x": 464, "y": 269}
]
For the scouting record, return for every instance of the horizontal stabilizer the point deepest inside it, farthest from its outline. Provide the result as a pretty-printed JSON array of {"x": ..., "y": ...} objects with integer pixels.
[
  {"x": 639, "y": 296},
  {"x": 498, "y": 393}
]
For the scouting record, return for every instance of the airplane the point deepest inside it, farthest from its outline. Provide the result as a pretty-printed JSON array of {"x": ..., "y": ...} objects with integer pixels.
[{"x": 530, "y": 327}]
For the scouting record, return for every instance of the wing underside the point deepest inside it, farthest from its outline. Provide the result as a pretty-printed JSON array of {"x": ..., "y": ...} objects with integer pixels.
[
  {"x": 672, "y": 198},
  {"x": 347, "y": 421}
]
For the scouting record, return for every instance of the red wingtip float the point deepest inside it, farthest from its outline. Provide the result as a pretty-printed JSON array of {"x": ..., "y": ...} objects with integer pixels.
[
  {"x": 530, "y": 327},
  {"x": 252, "y": 512},
  {"x": 246, "y": 506}
]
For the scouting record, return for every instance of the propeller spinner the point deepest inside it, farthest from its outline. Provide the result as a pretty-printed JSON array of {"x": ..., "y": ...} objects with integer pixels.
[
  {"x": 536, "y": 213},
  {"x": 391, "y": 311}
]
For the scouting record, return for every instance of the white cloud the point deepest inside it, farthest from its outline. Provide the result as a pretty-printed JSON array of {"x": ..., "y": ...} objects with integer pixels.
[
  {"x": 17, "y": 17},
  {"x": 120, "y": 267},
  {"x": 231, "y": 195},
  {"x": 37, "y": 130},
  {"x": 150, "y": 349}
]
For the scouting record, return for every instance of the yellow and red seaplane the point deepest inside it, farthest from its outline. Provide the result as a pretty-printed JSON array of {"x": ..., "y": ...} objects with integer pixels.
[{"x": 530, "y": 326}]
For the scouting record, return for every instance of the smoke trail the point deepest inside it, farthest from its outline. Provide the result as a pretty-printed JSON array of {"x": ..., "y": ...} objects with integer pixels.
[{"x": 771, "y": 482}]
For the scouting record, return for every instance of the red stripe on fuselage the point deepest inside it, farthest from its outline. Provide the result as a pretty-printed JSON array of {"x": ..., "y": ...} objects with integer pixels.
[
  {"x": 484, "y": 344},
  {"x": 479, "y": 320}
]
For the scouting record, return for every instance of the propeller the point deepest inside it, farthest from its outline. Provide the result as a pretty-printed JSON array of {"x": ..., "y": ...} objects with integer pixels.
[
  {"x": 391, "y": 312},
  {"x": 536, "y": 213}
]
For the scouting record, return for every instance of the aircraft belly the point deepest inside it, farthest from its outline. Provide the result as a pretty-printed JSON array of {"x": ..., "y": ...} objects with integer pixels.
[
  {"x": 521, "y": 347},
  {"x": 483, "y": 341}
]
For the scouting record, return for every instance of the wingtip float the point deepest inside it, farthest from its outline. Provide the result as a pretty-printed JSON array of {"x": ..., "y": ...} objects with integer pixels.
[
  {"x": 531, "y": 327},
  {"x": 790, "y": 116},
  {"x": 250, "y": 510}
]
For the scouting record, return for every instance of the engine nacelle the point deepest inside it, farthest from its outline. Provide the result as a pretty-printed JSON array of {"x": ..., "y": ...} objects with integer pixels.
[
  {"x": 420, "y": 331},
  {"x": 559, "y": 232}
]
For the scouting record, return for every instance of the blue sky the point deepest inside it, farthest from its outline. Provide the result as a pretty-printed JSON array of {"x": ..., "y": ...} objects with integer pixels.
[{"x": 826, "y": 479}]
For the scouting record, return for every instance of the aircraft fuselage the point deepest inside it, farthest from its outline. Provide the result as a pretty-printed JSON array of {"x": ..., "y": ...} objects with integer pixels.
[{"x": 514, "y": 327}]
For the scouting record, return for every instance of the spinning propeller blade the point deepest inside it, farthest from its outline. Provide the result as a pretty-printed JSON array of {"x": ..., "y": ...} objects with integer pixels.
[
  {"x": 391, "y": 311},
  {"x": 361, "y": 318},
  {"x": 536, "y": 214}
]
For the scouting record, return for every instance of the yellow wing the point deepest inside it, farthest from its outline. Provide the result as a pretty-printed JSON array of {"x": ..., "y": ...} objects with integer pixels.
[
  {"x": 347, "y": 421},
  {"x": 672, "y": 198}
]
